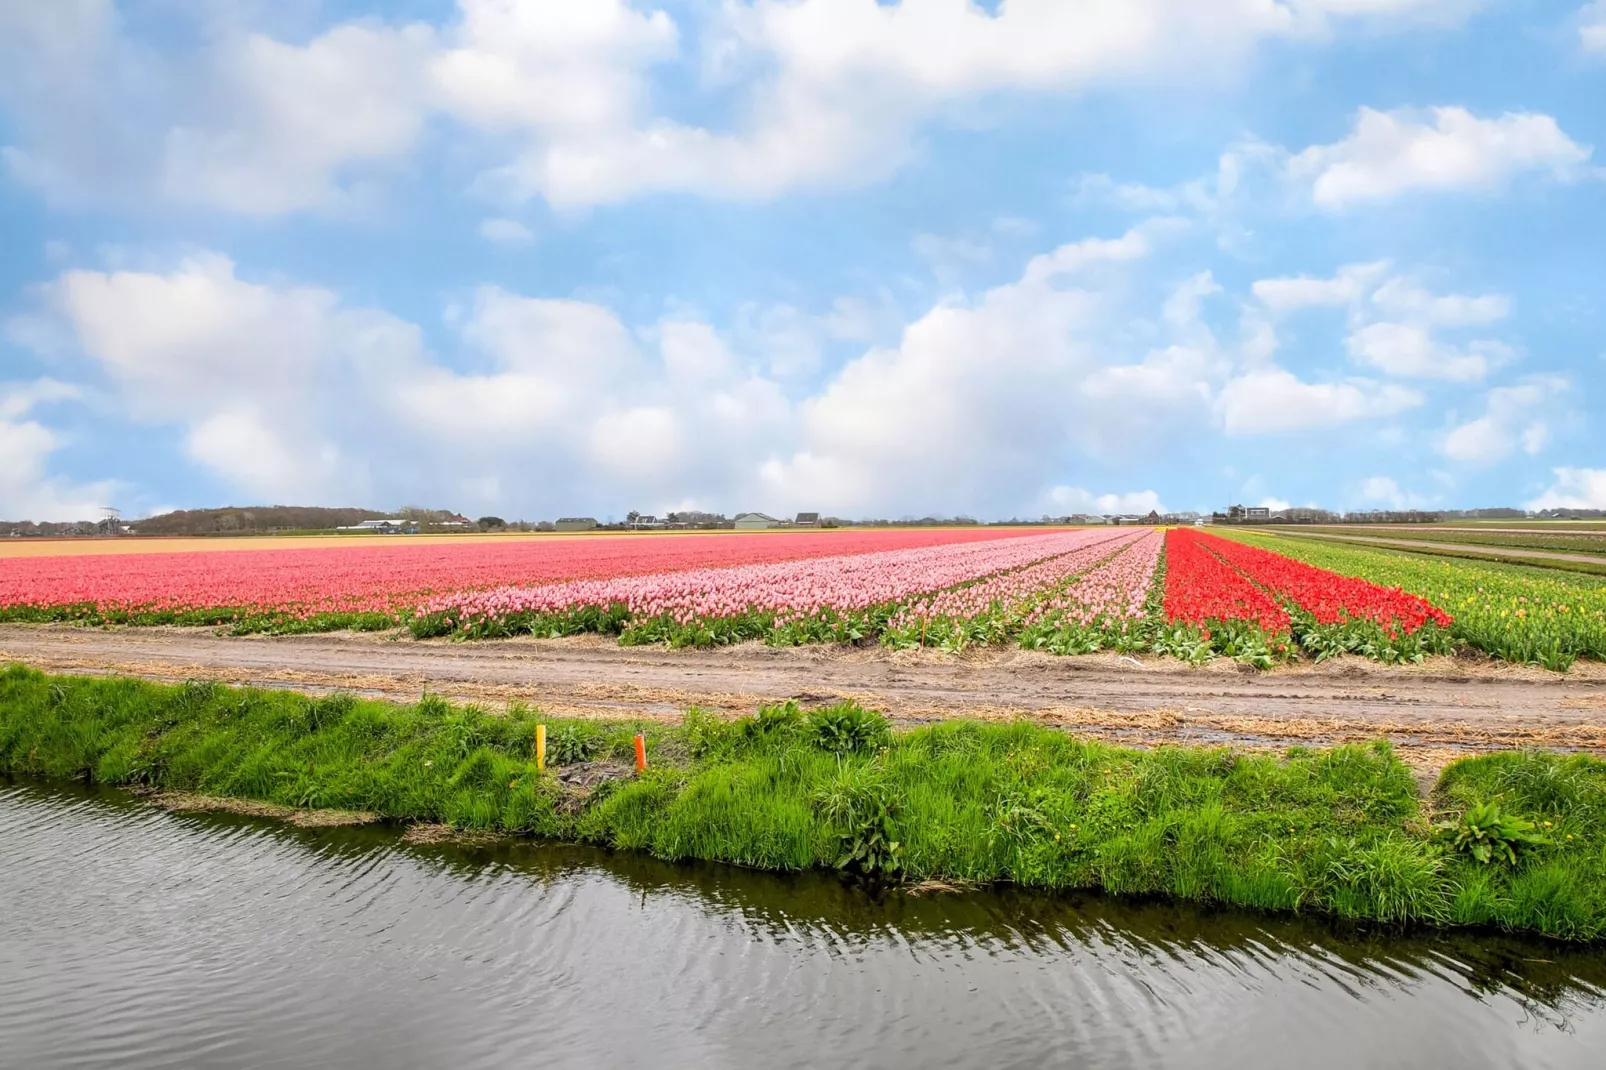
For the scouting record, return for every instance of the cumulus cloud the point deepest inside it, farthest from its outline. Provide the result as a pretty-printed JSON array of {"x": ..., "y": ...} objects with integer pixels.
[
  {"x": 820, "y": 92},
  {"x": 1273, "y": 401},
  {"x": 536, "y": 403},
  {"x": 246, "y": 123},
  {"x": 1394, "y": 324},
  {"x": 1388, "y": 154},
  {"x": 1514, "y": 417},
  {"x": 1384, "y": 490},
  {"x": 1284, "y": 295},
  {"x": 287, "y": 128},
  {"x": 1592, "y": 27},
  {"x": 1410, "y": 351},
  {"x": 27, "y": 489},
  {"x": 1066, "y": 500},
  {"x": 1574, "y": 488},
  {"x": 509, "y": 233},
  {"x": 244, "y": 366},
  {"x": 557, "y": 403}
]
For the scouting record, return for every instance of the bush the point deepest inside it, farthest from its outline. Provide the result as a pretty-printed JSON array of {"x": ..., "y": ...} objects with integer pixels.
[
  {"x": 1488, "y": 835},
  {"x": 848, "y": 728}
]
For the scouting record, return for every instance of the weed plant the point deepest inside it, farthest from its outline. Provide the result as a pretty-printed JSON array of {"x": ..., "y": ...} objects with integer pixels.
[{"x": 1340, "y": 831}]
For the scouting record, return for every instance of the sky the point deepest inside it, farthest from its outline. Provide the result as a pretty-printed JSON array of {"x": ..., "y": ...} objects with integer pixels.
[{"x": 536, "y": 258}]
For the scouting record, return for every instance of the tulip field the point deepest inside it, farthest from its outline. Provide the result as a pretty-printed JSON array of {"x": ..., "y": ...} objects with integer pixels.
[{"x": 1188, "y": 593}]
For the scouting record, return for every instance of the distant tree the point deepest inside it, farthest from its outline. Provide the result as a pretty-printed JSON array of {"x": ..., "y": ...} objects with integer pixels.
[{"x": 488, "y": 522}]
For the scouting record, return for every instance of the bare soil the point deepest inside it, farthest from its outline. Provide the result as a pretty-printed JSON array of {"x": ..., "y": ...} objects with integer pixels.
[
  {"x": 180, "y": 802},
  {"x": 1434, "y": 713}
]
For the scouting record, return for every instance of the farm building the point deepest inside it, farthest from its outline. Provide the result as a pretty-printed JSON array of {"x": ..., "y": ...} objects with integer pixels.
[
  {"x": 755, "y": 522},
  {"x": 807, "y": 520},
  {"x": 576, "y": 523},
  {"x": 384, "y": 527}
]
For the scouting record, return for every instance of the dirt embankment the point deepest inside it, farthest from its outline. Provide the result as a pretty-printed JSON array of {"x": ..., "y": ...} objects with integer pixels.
[{"x": 1433, "y": 712}]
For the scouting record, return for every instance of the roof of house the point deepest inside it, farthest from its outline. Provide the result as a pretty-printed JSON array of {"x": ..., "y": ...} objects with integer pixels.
[{"x": 755, "y": 516}]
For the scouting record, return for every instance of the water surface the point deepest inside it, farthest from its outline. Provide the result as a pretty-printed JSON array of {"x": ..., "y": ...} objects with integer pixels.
[{"x": 131, "y": 937}]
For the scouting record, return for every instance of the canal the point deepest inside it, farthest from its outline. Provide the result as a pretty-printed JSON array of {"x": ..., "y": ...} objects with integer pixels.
[{"x": 133, "y": 937}]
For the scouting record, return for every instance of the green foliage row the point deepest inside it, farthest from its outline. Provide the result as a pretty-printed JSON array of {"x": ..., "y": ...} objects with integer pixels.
[
  {"x": 1338, "y": 831},
  {"x": 1514, "y": 612},
  {"x": 1573, "y": 542},
  {"x": 238, "y": 621}
]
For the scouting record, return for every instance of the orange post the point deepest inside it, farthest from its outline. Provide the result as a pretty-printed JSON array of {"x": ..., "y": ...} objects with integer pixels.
[{"x": 641, "y": 753}]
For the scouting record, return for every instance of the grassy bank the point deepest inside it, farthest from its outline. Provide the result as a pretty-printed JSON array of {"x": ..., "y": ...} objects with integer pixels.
[{"x": 1340, "y": 831}]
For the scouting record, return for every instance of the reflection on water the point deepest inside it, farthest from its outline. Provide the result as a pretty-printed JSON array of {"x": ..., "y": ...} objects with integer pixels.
[{"x": 133, "y": 937}]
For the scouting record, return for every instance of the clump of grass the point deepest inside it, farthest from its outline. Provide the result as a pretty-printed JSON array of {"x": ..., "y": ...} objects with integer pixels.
[{"x": 1339, "y": 831}]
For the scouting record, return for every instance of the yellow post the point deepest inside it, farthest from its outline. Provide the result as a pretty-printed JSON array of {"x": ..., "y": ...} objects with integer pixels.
[{"x": 540, "y": 746}]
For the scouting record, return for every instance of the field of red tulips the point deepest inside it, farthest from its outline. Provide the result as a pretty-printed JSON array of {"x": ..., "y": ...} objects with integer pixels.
[
  {"x": 1257, "y": 605},
  {"x": 1185, "y": 592}
]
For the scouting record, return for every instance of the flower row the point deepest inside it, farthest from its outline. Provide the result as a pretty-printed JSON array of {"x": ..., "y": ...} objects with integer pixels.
[{"x": 785, "y": 592}]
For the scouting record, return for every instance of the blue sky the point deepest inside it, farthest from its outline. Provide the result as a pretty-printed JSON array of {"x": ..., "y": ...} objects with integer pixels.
[{"x": 532, "y": 257}]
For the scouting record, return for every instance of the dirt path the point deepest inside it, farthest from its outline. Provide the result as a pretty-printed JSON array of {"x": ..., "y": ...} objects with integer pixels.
[
  {"x": 1432, "y": 712},
  {"x": 1517, "y": 554}
]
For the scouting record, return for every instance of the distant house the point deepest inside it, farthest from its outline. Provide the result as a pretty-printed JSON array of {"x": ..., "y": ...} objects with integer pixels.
[
  {"x": 755, "y": 522},
  {"x": 576, "y": 523},
  {"x": 1257, "y": 512},
  {"x": 807, "y": 520},
  {"x": 384, "y": 527},
  {"x": 1152, "y": 518}
]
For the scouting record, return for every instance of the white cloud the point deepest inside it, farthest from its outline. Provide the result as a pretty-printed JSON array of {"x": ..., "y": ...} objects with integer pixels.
[
  {"x": 550, "y": 64},
  {"x": 246, "y": 448},
  {"x": 1352, "y": 282},
  {"x": 540, "y": 403},
  {"x": 1402, "y": 298},
  {"x": 820, "y": 92},
  {"x": 1515, "y": 417},
  {"x": 981, "y": 399},
  {"x": 1276, "y": 505},
  {"x": 1574, "y": 488},
  {"x": 1410, "y": 351},
  {"x": 246, "y": 367},
  {"x": 1384, "y": 490},
  {"x": 242, "y": 122},
  {"x": 1272, "y": 401},
  {"x": 1392, "y": 153},
  {"x": 1394, "y": 323},
  {"x": 197, "y": 336},
  {"x": 508, "y": 233},
  {"x": 27, "y": 490},
  {"x": 287, "y": 124},
  {"x": 1065, "y": 500},
  {"x": 1592, "y": 31}
]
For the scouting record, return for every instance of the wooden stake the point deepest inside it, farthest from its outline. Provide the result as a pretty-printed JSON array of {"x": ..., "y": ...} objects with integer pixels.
[
  {"x": 540, "y": 746},
  {"x": 641, "y": 753}
]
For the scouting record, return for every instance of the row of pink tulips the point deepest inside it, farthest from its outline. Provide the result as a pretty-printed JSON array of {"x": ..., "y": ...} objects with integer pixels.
[
  {"x": 789, "y": 589},
  {"x": 1114, "y": 591},
  {"x": 1017, "y": 592}
]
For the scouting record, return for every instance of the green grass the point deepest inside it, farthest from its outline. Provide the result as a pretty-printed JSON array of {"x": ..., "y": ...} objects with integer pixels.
[{"x": 1338, "y": 831}]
